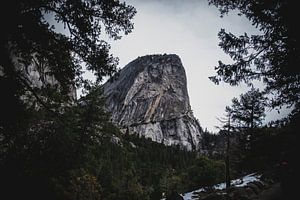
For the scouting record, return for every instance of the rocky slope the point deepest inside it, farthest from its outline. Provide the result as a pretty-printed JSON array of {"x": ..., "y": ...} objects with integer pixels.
[{"x": 150, "y": 98}]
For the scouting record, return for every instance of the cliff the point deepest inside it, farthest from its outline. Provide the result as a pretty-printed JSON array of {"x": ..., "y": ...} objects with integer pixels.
[{"x": 150, "y": 98}]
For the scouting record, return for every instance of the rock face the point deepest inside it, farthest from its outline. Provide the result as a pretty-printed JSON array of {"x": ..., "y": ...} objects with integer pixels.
[
  {"x": 150, "y": 98},
  {"x": 37, "y": 75}
]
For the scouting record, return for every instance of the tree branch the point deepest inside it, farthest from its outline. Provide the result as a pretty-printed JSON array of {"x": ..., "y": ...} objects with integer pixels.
[{"x": 27, "y": 85}]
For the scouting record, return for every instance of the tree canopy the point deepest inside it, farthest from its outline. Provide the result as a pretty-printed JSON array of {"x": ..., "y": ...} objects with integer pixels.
[
  {"x": 272, "y": 56},
  {"x": 249, "y": 110},
  {"x": 30, "y": 43},
  {"x": 33, "y": 39},
  {"x": 49, "y": 145}
]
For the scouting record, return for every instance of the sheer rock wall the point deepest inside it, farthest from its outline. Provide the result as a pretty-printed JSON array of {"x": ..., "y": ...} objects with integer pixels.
[{"x": 150, "y": 98}]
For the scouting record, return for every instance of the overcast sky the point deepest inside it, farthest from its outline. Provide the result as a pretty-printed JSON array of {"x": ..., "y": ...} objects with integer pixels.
[{"x": 189, "y": 29}]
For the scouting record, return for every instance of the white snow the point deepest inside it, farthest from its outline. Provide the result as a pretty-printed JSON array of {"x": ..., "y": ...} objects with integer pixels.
[{"x": 237, "y": 182}]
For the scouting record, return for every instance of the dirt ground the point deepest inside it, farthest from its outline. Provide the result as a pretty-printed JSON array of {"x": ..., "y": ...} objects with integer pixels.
[{"x": 273, "y": 193}]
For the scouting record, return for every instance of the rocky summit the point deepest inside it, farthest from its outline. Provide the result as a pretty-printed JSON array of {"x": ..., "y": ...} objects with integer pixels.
[{"x": 150, "y": 98}]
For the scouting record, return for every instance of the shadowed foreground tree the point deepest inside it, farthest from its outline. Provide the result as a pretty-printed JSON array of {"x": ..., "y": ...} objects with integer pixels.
[
  {"x": 227, "y": 130},
  {"x": 47, "y": 142},
  {"x": 248, "y": 112},
  {"x": 241, "y": 118},
  {"x": 30, "y": 38},
  {"x": 272, "y": 56}
]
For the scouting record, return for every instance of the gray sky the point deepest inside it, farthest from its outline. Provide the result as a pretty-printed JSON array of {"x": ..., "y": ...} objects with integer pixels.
[{"x": 189, "y": 29}]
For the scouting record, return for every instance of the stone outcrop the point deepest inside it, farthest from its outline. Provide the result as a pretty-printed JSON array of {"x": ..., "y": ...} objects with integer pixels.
[
  {"x": 37, "y": 75},
  {"x": 150, "y": 98}
]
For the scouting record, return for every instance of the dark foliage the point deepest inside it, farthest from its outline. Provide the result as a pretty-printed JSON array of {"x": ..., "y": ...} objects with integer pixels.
[
  {"x": 272, "y": 56},
  {"x": 49, "y": 141},
  {"x": 143, "y": 169},
  {"x": 249, "y": 110},
  {"x": 28, "y": 32}
]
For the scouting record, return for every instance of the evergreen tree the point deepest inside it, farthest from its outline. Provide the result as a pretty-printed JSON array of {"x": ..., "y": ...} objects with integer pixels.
[
  {"x": 49, "y": 142},
  {"x": 247, "y": 114},
  {"x": 249, "y": 110},
  {"x": 244, "y": 114},
  {"x": 227, "y": 129},
  {"x": 30, "y": 40},
  {"x": 272, "y": 56}
]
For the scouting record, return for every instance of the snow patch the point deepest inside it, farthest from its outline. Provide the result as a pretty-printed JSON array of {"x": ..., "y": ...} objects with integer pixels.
[{"x": 243, "y": 181}]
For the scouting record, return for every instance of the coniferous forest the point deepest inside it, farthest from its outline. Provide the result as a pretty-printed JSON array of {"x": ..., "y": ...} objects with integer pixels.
[{"x": 56, "y": 145}]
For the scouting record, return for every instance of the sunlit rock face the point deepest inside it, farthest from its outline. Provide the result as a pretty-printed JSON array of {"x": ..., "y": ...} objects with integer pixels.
[{"x": 150, "y": 98}]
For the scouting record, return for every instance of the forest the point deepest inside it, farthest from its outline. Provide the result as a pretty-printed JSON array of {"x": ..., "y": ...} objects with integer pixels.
[{"x": 54, "y": 145}]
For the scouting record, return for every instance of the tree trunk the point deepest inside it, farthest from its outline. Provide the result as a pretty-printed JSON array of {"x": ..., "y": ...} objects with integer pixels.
[
  {"x": 252, "y": 116},
  {"x": 227, "y": 164},
  {"x": 227, "y": 160}
]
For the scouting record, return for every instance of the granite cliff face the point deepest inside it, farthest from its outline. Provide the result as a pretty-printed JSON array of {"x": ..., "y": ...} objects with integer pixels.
[
  {"x": 150, "y": 98},
  {"x": 38, "y": 75}
]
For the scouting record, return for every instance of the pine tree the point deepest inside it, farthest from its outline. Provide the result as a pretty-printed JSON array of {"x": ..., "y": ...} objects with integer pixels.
[
  {"x": 271, "y": 56},
  {"x": 49, "y": 141},
  {"x": 227, "y": 129},
  {"x": 249, "y": 110}
]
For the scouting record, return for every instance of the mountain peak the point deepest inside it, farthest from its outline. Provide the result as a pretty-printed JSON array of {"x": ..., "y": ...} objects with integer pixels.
[{"x": 150, "y": 98}]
